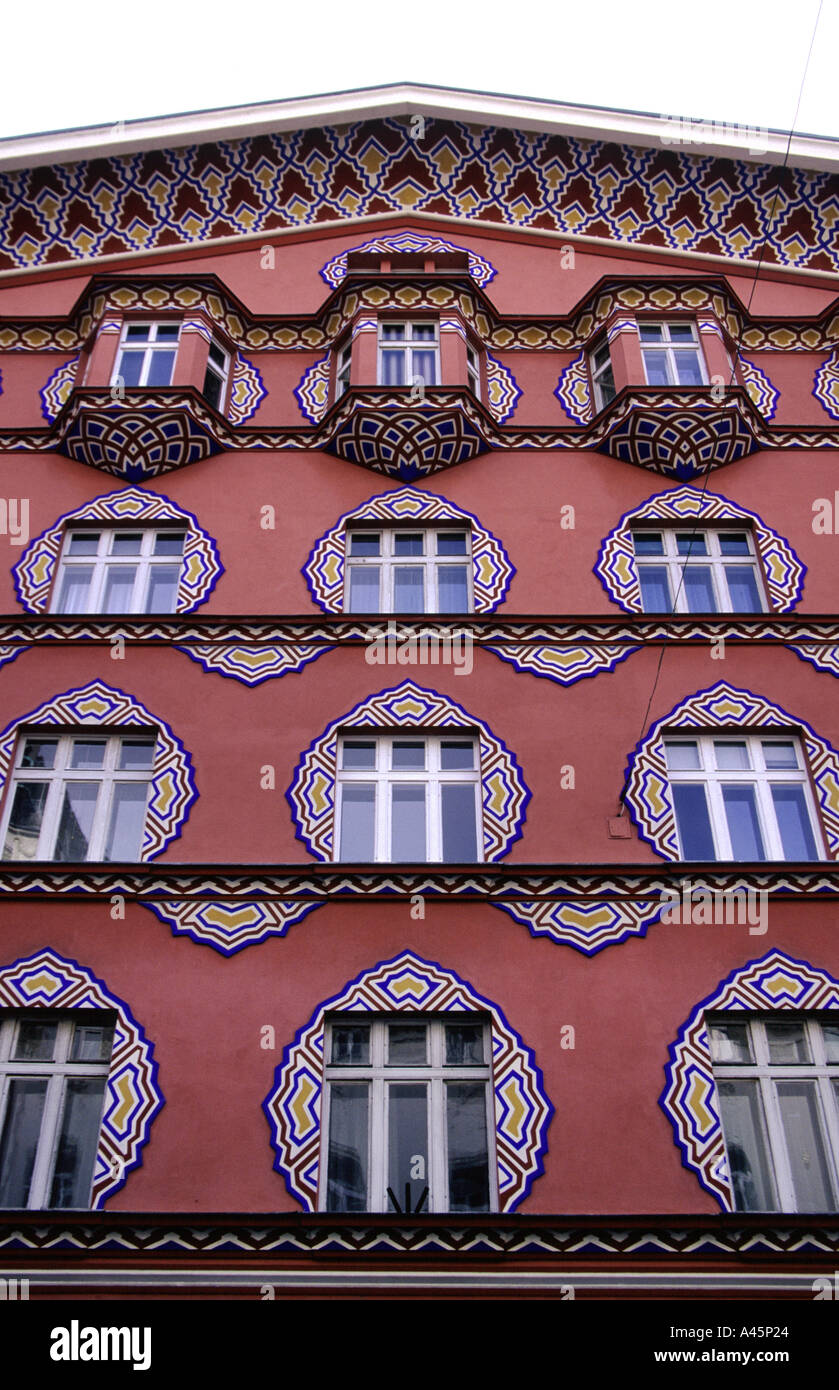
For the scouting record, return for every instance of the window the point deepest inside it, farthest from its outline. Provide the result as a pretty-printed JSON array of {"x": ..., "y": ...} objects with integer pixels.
[
  {"x": 473, "y": 371},
  {"x": 343, "y": 369},
  {"x": 602, "y": 376},
  {"x": 742, "y": 798},
  {"x": 408, "y": 1123},
  {"x": 396, "y": 571},
  {"x": 215, "y": 377},
  {"x": 698, "y": 572},
  {"x": 408, "y": 351},
  {"x": 119, "y": 571},
  {"x": 146, "y": 354},
  {"x": 78, "y": 796},
  {"x": 671, "y": 353},
  {"x": 778, "y": 1088},
  {"x": 404, "y": 799},
  {"x": 53, "y": 1069}
]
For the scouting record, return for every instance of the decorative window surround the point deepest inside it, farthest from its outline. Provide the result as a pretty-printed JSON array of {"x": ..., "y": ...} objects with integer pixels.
[
  {"x": 726, "y": 708},
  {"x": 407, "y": 244},
  {"x": 824, "y": 658},
  {"x": 616, "y": 566},
  {"x": 56, "y": 392},
  {"x": 200, "y": 563},
  {"x": 410, "y": 984},
  {"x": 133, "y": 1096},
  {"x": 689, "y": 1100},
  {"x": 826, "y": 385},
  {"x": 100, "y": 706},
  {"x": 312, "y": 391},
  {"x": 247, "y": 390},
  {"x": 312, "y": 794},
  {"x": 491, "y": 567}
]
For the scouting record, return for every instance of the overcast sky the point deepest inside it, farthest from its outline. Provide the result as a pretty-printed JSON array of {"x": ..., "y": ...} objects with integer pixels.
[{"x": 730, "y": 60}]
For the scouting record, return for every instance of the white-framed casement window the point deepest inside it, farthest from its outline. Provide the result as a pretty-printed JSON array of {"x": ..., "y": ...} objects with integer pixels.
[
  {"x": 76, "y": 796},
  {"x": 114, "y": 570},
  {"x": 53, "y": 1070},
  {"x": 408, "y": 1122},
  {"x": 405, "y": 798},
  {"x": 777, "y": 1083},
  {"x": 473, "y": 370},
  {"x": 698, "y": 571},
  {"x": 146, "y": 355},
  {"x": 343, "y": 369},
  {"x": 602, "y": 376},
  {"x": 742, "y": 797},
  {"x": 217, "y": 371},
  {"x": 398, "y": 571},
  {"x": 409, "y": 353},
  {"x": 672, "y": 353}
]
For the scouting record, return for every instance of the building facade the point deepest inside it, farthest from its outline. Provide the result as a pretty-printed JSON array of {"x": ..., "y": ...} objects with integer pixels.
[{"x": 420, "y": 744}]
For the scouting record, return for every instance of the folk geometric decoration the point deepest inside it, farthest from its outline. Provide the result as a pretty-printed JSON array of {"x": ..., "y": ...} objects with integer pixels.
[
  {"x": 9, "y": 653},
  {"x": 227, "y": 926},
  {"x": 721, "y": 707},
  {"x": 382, "y": 431},
  {"x": 200, "y": 565},
  {"x": 823, "y": 657},
  {"x": 312, "y": 392},
  {"x": 253, "y": 665},
  {"x": 523, "y": 1112},
  {"x": 138, "y": 438},
  {"x": 759, "y": 387},
  {"x": 574, "y": 392},
  {"x": 56, "y": 393},
  {"x": 668, "y": 435},
  {"x": 47, "y": 980},
  {"x": 311, "y": 795},
  {"x": 689, "y": 1099},
  {"x": 618, "y": 572},
  {"x": 565, "y": 665},
  {"x": 247, "y": 391},
  {"x": 491, "y": 567},
  {"x": 587, "y": 926},
  {"x": 826, "y": 385},
  {"x": 503, "y": 391},
  {"x": 100, "y": 706},
  {"x": 406, "y": 244}
]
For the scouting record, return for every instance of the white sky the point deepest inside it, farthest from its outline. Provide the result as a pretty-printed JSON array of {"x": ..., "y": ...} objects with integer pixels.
[{"x": 731, "y": 60}]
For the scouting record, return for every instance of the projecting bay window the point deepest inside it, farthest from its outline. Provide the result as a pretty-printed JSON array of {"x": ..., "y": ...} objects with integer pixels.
[
  {"x": 74, "y": 797},
  {"x": 119, "y": 571},
  {"x": 395, "y": 571},
  {"x": 409, "y": 353},
  {"x": 742, "y": 798},
  {"x": 147, "y": 353},
  {"x": 672, "y": 354},
  {"x": 408, "y": 1123},
  {"x": 53, "y": 1071},
  {"x": 404, "y": 799},
  {"x": 698, "y": 571},
  {"x": 777, "y": 1083}
]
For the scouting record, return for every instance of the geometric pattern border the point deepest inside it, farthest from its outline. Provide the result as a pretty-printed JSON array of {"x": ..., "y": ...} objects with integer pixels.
[
  {"x": 312, "y": 391},
  {"x": 523, "y": 1112},
  {"x": 689, "y": 1099},
  {"x": 587, "y": 926},
  {"x": 253, "y": 665},
  {"x": 230, "y": 927},
  {"x": 822, "y": 657},
  {"x": 574, "y": 392},
  {"x": 565, "y": 665},
  {"x": 56, "y": 392},
  {"x": 132, "y": 1095},
  {"x": 172, "y": 791},
  {"x": 311, "y": 795},
  {"x": 618, "y": 573},
  {"x": 200, "y": 565},
  {"x": 826, "y": 385},
  {"x": 247, "y": 390},
  {"x": 324, "y": 568},
  {"x": 503, "y": 391},
  {"x": 722, "y": 706},
  {"x": 759, "y": 387},
  {"x": 406, "y": 244}
]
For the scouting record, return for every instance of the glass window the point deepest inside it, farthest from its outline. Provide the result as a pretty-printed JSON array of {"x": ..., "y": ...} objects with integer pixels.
[
  {"x": 692, "y": 572},
  {"x": 118, "y": 571},
  {"x": 146, "y": 355},
  {"x": 438, "y": 578},
  {"x": 409, "y": 353},
  {"x": 602, "y": 376},
  {"x": 671, "y": 352}
]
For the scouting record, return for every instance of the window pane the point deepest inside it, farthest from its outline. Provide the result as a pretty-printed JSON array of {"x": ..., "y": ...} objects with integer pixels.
[
  {"x": 393, "y": 368},
  {"x": 78, "y": 1142},
  {"x": 25, "y": 820},
  {"x": 830, "y": 1032},
  {"x": 75, "y": 586},
  {"x": 407, "y": 1145},
  {"x": 357, "y": 754},
  {"x": 128, "y": 815},
  {"x": 451, "y": 543},
  {"x": 424, "y": 364},
  {"x": 734, "y": 543},
  {"x": 466, "y": 1125},
  {"x": 692, "y": 819},
  {"x": 655, "y": 366},
  {"x": 699, "y": 589},
  {"x": 160, "y": 368},
  {"x": 20, "y": 1139},
  {"x": 457, "y": 754},
  {"x": 39, "y": 753},
  {"x": 794, "y": 822},
  {"x": 213, "y": 385},
  {"x": 742, "y": 1121},
  {"x": 452, "y": 589},
  {"x": 731, "y": 755},
  {"x": 393, "y": 332},
  {"x": 464, "y": 1044},
  {"x": 787, "y": 1043},
  {"x": 136, "y": 756},
  {"x": 126, "y": 543},
  {"x": 92, "y": 1042},
  {"x": 691, "y": 543},
  {"x": 682, "y": 755},
  {"x": 742, "y": 589},
  {"x": 119, "y": 586},
  {"x": 166, "y": 332},
  {"x": 743, "y": 824},
  {"x": 364, "y": 589},
  {"x": 76, "y": 820},
  {"x": 655, "y": 589},
  {"x": 350, "y": 1044},
  {"x": 84, "y": 543},
  {"x": 364, "y": 543},
  {"x": 406, "y": 1044},
  {"x": 358, "y": 809},
  {"x": 130, "y": 367},
  {"x": 408, "y": 590},
  {"x": 87, "y": 753},
  {"x": 779, "y": 754},
  {"x": 163, "y": 589},
  {"x": 651, "y": 332},
  {"x": 460, "y": 837},
  {"x": 648, "y": 542},
  {"x": 423, "y": 332},
  {"x": 346, "y": 1180},
  {"x": 35, "y": 1042},
  {"x": 139, "y": 332},
  {"x": 408, "y": 755},
  {"x": 169, "y": 543},
  {"x": 729, "y": 1042},
  {"x": 802, "y": 1128},
  {"x": 404, "y": 544},
  {"x": 680, "y": 332},
  {"x": 408, "y": 840},
  {"x": 688, "y": 370}
]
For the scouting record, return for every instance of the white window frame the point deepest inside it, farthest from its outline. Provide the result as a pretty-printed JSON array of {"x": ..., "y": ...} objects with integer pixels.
[
  {"x": 406, "y": 345},
  {"x": 107, "y": 777},
  {"x": 714, "y": 560},
  {"x": 384, "y": 776},
  {"x": 473, "y": 370},
  {"x": 601, "y": 370},
  {"x": 57, "y": 1072},
  {"x": 143, "y": 563},
  {"x": 221, "y": 371},
  {"x": 149, "y": 349},
  {"x": 343, "y": 369},
  {"x": 758, "y": 776},
  {"x": 766, "y": 1074},
  {"x": 668, "y": 346},
  {"x": 435, "y": 1073},
  {"x": 430, "y": 562}
]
